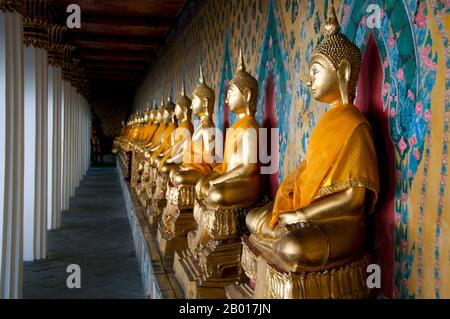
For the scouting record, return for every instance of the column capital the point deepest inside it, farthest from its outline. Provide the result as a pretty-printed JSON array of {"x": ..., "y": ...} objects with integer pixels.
[
  {"x": 57, "y": 35},
  {"x": 68, "y": 54},
  {"x": 36, "y": 22},
  {"x": 11, "y": 5}
]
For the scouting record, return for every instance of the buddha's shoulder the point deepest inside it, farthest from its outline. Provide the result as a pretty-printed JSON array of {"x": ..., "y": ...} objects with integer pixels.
[{"x": 354, "y": 114}]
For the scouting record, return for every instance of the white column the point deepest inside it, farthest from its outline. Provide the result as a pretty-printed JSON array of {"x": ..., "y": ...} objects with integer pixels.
[
  {"x": 54, "y": 140},
  {"x": 77, "y": 143},
  {"x": 36, "y": 157},
  {"x": 66, "y": 144},
  {"x": 87, "y": 131},
  {"x": 71, "y": 141},
  {"x": 11, "y": 169}
]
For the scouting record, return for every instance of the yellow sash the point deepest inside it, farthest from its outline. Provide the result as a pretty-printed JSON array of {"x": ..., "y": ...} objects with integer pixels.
[
  {"x": 340, "y": 155},
  {"x": 166, "y": 140},
  {"x": 196, "y": 152},
  {"x": 233, "y": 139},
  {"x": 158, "y": 135},
  {"x": 180, "y": 137}
]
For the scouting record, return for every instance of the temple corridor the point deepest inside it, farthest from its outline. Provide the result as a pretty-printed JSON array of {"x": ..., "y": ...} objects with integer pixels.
[
  {"x": 224, "y": 149},
  {"x": 95, "y": 234}
]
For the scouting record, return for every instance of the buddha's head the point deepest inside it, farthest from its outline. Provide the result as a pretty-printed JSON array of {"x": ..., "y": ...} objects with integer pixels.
[
  {"x": 242, "y": 91},
  {"x": 183, "y": 109},
  {"x": 168, "y": 110},
  {"x": 160, "y": 113},
  {"x": 147, "y": 114},
  {"x": 142, "y": 119},
  {"x": 203, "y": 98},
  {"x": 153, "y": 112},
  {"x": 334, "y": 65}
]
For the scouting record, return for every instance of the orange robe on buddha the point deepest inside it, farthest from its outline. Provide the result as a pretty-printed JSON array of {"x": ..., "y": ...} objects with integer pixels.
[
  {"x": 183, "y": 132},
  {"x": 340, "y": 155}
]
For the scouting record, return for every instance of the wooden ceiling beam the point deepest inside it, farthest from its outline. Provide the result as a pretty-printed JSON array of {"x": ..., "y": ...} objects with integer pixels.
[
  {"x": 111, "y": 46},
  {"x": 117, "y": 58},
  {"x": 108, "y": 19},
  {"x": 117, "y": 39},
  {"x": 124, "y": 53}
]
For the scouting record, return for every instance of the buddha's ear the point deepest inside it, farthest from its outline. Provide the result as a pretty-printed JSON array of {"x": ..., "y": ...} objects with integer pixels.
[
  {"x": 205, "y": 102},
  {"x": 247, "y": 95},
  {"x": 345, "y": 69},
  {"x": 343, "y": 72}
]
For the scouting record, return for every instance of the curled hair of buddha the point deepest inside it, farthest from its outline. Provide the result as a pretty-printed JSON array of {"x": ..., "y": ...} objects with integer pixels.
[
  {"x": 336, "y": 47},
  {"x": 203, "y": 91},
  {"x": 244, "y": 80}
]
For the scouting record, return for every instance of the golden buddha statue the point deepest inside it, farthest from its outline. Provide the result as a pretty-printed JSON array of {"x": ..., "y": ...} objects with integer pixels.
[
  {"x": 170, "y": 159},
  {"x": 176, "y": 220},
  {"x": 152, "y": 132},
  {"x": 310, "y": 242},
  {"x": 150, "y": 125},
  {"x": 127, "y": 147},
  {"x": 223, "y": 197},
  {"x": 146, "y": 189},
  {"x": 160, "y": 181},
  {"x": 147, "y": 135},
  {"x": 198, "y": 160}
]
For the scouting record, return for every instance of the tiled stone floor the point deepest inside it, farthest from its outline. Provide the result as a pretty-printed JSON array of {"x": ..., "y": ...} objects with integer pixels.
[{"x": 96, "y": 235}]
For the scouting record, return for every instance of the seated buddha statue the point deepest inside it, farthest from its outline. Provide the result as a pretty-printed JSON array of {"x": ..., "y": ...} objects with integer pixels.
[
  {"x": 188, "y": 162},
  {"x": 151, "y": 144},
  {"x": 170, "y": 119},
  {"x": 316, "y": 225},
  {"x": 223, "y": 197},
  {"x": 173, "y": 155},
  {"x": 160, "y": 182},
  {"x": 198, "y": 159},
  {"x": 236, "y": 182},
  {"x": 149, "y": 130},
  {"x": 176, "y": 219},
  {"x": 150, "y": 126}
]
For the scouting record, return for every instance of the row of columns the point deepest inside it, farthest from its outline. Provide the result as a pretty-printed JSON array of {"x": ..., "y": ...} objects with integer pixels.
[
  {"x": 76, "y": 141},
  {"x": 44, "y": 148}
]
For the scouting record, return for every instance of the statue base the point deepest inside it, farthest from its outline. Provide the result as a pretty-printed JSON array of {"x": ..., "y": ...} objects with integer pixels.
[
  {"x": 194, "y": 281},
  {"x": 268, "y": 280},
  {"x": 177, "y": 220},
  {"x": 159, "y": 200},
  {"x": 137, "y": 157},
  {"x": 212, "y": 261}
]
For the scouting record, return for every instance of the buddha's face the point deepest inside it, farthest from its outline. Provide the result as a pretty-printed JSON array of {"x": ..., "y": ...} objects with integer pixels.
[
  {"x": 179, "y": 113},
  {"x": 323, "y": 80},
  {"x": 159, "y": 117},
  {"x": 166, "y": 116},
  {"x": 197, "y": 105},
  {"x": 235, "y": 99}
]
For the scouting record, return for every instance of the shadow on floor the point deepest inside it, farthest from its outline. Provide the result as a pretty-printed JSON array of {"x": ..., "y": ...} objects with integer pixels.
[{"x": 95, "y": 235}]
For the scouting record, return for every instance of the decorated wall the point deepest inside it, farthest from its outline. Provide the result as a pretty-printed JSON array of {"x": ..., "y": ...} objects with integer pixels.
[{"x": 404, "y": 94}]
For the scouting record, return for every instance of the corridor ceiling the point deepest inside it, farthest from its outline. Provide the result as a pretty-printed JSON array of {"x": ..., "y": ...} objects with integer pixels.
[{"x": 119, "y": 39}]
